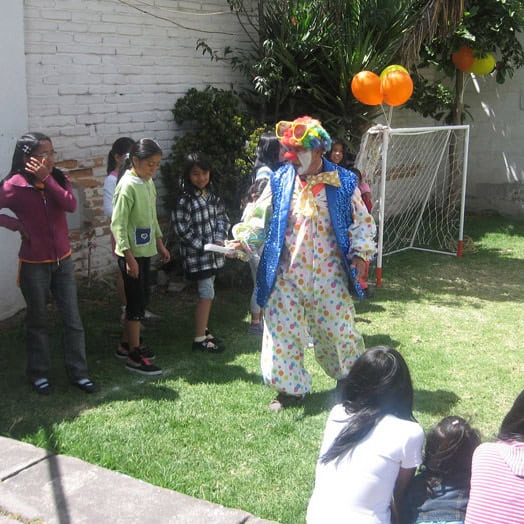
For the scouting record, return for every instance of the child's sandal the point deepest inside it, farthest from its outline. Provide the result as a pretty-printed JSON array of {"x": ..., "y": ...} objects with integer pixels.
[
  {"x": 41, "y": 386},
  {"x": 209, "y": 345},
  {"x": 86, "y": 385},
  {"x": 214, "y": 339}
]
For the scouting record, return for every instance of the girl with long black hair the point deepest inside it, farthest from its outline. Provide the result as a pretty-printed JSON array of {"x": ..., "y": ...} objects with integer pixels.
[
  {"x": 40, "y": 195},
  {"x": 372, "y": 444}
]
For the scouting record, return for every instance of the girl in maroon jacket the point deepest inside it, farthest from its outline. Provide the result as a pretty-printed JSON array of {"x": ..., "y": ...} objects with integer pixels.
[{"x": 39, "y": 195}]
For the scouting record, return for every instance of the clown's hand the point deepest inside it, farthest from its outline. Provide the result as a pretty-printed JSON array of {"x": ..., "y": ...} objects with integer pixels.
[{"x": 360, "y": 265}]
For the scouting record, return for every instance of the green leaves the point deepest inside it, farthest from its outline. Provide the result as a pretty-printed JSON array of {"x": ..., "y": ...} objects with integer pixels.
[{"x": 213, "y": 124}]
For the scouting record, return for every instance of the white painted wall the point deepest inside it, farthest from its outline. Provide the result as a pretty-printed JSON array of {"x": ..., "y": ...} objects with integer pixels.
[
  {"x": 100, "y": 69},
  {"x": 13, "y": 116}
]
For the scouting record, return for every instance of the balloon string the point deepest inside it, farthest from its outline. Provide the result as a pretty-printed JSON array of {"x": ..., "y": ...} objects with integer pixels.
[{"x": 386, "y": 118}]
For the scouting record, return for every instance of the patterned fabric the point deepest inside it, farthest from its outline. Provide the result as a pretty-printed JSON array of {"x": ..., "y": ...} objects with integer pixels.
[
  {"x": 305, "y": 204},
  {"x": 198, "y": 220},
  {"x": 353, "y": 227},
  {"x": 441, "y": 503},
  {"x": 310, "y": 299},
  {"x": 303, "y": 279}
]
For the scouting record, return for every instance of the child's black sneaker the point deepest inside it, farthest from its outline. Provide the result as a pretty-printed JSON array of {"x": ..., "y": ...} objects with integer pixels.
[
  {"x": 139, "y": 364},
  {"x": 209, "y": 345},
  {"x": 123, "y": 351}
]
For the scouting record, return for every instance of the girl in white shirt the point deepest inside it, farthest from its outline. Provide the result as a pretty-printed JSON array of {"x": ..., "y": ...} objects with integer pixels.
[{"x": 371, "y": 446}]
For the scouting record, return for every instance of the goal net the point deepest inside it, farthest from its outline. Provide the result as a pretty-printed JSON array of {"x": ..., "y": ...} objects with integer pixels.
[{"x": 418, "y": 184}]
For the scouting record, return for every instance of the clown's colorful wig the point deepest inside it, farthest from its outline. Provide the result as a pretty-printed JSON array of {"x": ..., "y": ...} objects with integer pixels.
[{"x": 304, "y": 132}]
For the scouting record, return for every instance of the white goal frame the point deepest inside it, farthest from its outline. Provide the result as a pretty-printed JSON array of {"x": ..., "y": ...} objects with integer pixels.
[{"x": 445, "y": 178}]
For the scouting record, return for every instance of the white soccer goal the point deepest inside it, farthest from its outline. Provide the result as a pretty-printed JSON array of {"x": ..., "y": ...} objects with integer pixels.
[{"x": 418, "y": 184}]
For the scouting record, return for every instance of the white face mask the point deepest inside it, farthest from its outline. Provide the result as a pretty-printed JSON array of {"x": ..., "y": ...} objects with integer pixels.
[{"x": 304, "y": 158}]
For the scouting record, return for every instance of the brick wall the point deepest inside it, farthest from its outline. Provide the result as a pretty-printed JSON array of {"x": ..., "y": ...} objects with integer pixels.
[{"x": 100, "y": 69}]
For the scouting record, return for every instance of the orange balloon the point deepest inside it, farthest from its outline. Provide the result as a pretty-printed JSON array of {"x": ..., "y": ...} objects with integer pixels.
[
  {"x": 365, "y": 86},
  {"x": 463, "y": 58},
  {"x": 397, "y": 87}
]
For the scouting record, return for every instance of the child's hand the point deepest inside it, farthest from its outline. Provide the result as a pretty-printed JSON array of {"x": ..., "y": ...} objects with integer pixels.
[
  {"x": 165, "y": 254},
  {"x": 37, "y": 168},
  {"x": 131, "y": 265},
  {"x": 236, "y": 245}
]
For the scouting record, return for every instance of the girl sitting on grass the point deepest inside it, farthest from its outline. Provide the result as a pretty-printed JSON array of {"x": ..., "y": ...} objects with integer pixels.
[
  {"x": 440, "y": 492},
  {"x": 372, "y": 444}
]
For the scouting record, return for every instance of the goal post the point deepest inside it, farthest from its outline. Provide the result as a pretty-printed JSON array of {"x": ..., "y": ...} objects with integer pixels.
[{"x": 417, "y": 178}]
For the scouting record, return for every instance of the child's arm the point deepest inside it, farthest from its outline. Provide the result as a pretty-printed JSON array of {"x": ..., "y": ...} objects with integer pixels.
[
  {"x": 109, "y": 192},
  {"x": 64, "y": 198},
  {"x": 9, "y": 222},
  {"x": 119, "y": 222},
  {"x": 183, "y": 225},
  {"x": 404, "y": 478},
  {"x": 366, "y": 197},
  {"x": 164, "y": 253}
]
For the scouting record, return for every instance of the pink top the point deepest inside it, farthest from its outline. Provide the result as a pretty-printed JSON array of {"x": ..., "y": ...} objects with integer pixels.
[
  {"x": 364, "y": 188},
  {"x": 497, "y": 484},
  {"x": 40, "y": 215}
]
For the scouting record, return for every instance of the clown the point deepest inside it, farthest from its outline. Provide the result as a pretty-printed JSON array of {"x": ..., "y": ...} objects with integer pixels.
[{"x": 316, "y": 228}]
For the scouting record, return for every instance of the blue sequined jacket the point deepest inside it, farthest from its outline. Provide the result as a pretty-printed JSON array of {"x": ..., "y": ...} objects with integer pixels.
[{"x": 340, "y": 209}]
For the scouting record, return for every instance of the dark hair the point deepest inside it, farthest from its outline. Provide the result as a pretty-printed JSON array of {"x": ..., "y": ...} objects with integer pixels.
[
  {"x": 142, "y": 149},
  {"x": 196, "y": 159},
  {"x": 120, "y": 147},
  {"x": 512, "y": 427},
  {"x": 268, "y": 152},
  {"x": 358, "y": 173},
  {"x": 255, "y": 190},
  {"x": 25, "y": 146},
  {"x": 378, "y": 384},
  {"x": 449, "y": 449}
]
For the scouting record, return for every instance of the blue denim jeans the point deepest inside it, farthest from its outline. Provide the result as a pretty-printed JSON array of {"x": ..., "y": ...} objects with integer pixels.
[{"x": 36, "y": 282}]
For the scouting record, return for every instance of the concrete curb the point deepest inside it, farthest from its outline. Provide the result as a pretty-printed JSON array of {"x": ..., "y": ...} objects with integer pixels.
[{"x": 40, "y": 487}]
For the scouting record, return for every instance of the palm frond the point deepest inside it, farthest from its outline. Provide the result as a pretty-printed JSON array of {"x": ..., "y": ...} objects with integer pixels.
[{"x": 435, "y": 18}]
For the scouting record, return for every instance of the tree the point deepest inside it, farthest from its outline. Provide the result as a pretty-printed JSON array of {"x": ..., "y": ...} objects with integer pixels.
[
  {"x": 305, "y": 52},
  {"x": 487, "y": 26}
]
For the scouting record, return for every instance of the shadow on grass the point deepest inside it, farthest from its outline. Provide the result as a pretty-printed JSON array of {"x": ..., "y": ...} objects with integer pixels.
[
  {"x": 438, "y": 402},
  {"x": 24, "y": 414}
]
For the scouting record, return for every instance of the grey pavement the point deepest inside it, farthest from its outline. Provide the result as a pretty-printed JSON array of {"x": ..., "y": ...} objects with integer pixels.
[{"x": 39, "y": 487}]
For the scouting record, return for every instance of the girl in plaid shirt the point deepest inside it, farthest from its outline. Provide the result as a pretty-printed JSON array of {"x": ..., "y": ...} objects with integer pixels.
[{"x": 200, "y": 218}]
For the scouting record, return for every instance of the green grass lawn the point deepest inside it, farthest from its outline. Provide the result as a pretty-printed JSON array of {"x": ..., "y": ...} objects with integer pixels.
[{"x": 204, "y": 429}]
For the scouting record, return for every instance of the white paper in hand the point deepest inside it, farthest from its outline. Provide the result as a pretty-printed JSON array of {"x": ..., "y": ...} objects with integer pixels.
[{"x": 219, "y": 249}]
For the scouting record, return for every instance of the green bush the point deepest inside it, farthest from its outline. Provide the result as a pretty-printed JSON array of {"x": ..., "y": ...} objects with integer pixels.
[{"x": 212, "y": 122}]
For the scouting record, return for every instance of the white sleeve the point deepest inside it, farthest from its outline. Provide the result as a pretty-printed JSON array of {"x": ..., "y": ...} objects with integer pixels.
[
  {"x": 109, "y": 191},
  {"x": 412, "y": 453}
]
